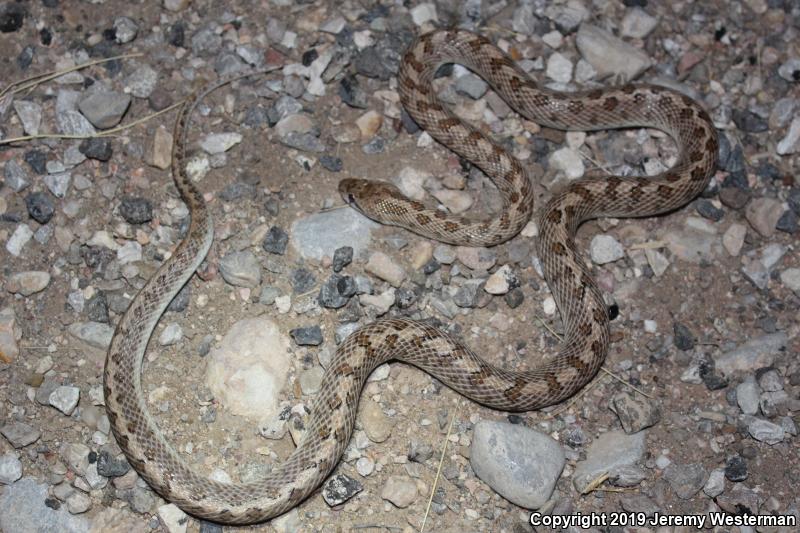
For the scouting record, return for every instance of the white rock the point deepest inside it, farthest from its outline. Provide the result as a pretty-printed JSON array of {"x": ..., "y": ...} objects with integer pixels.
[
  {"x": 609, "y": 55},
  {"x": 454, "y": 201},
  {"x": 249, "y": 368},
  {"x": 549, "y": 306},
  {"x": 79, "y": 503},
  {"x": 791, "y": 278},
  {"x": 568, "y": 161},
  {"x": 637, "y": 23},
  {"x": 424, "y": 13},
  {"x": 172, "y": 334},
  {"x": 381, "y": 303},
  {"x": 559, "y": 68},
  {"x": 65, "y": 398},
  {"x": 173, "y": 518},
  {"x": 10, "y": 468},
  {"x": 605, "y": 249},
  {"x": 411, "y": 181},
  {"x": 19, "y": 239},
  {"x": 499, "y": 282},
  {"x": 217, "y": 143},
  {"x": 382, "y": 266}
]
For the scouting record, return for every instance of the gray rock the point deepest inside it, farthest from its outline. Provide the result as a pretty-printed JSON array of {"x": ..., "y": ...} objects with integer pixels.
[
  {"x": 400, "y": 490},
  {"x": 23, "y": 510},
  {"x": 65, "y": 399},
  {"x": 471, "y": 85},
  {"x": 715, "y": 484},
  {"x": 94, "y": 334},
  {"x": 609, "y": 55},
  {"x": 142, "y": 81},
  {"x": 308, "y": 336},
  {"x": 30, "y": 114},
  {"x": 16, "y": 177},
  {"x": 68, "y": 119},
  {"x": 319, "y": 235},
  {"x": 20, "y": 434},
  {"x": 747, "y": 396},
  {"x": 171, "y": 334},
  {"x": 790, "y": 69},
  {"x": 339, "y": 488},
  {"x": 608, "y": 452},
  {"x": 536, "y": 458},
  {"x": 765, "y": 431},
  {"x": 10, "y": 468},
  {"x": 752, "y": 355},
  {"x": 303, "y": 141},
  {"x": 637, "y": 23},
  {"x": 635, "y": 412},
  {"x": 105, "y": 109},
  {"x": 58, "y": 183},
  {"x": 241, "y": 269},
  {"x": 686, "y": 480},
  {"x": 19, "y": 239},
  {"x": 605, "y": 249},
  {"x": 790, "y": 144},
  {"x": 567, "y": 16},
  {"x": 125, "y": 29}
]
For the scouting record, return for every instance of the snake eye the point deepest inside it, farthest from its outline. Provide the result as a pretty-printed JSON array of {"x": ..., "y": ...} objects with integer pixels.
[{"x": 351, "y": 199}]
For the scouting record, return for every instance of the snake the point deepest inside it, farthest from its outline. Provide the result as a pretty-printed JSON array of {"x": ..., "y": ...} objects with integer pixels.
[{"x": 584, "y": 313}]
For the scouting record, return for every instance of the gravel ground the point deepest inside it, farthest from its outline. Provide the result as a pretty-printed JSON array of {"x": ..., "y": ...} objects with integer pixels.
[{"x": 700, "y": 414}]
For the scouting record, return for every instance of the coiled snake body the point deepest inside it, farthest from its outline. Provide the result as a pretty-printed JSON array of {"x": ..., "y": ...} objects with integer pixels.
[{"x": 586, "y": 335}]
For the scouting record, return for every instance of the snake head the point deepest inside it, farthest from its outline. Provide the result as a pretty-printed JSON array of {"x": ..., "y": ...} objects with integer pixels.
[{"x": 353, "y": 191}]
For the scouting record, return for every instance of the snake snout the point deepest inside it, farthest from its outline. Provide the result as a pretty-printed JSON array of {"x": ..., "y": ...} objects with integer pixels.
[{"x": 349, "y": 189}]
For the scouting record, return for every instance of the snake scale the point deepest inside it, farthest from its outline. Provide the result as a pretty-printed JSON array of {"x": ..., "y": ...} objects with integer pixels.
[{"x": 585, "y": 317}]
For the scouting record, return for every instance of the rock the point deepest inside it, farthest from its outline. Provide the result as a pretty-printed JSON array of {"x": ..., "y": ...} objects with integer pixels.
[
  {"x": 735, "y": 469},
  {"x": 610, "y": 451},
  {"x": 94, "y": 334},
  {"x": 18, "y": 240},
  {"x": 248, "y": 370},
  {"x": 40, "y": 207},
  {"x": 275, "y": 241},
  {"x": 311, "y": 380},
  {"x": 172, "y": 334},
  {"x": 309, "y": 336},
  {"x": 752, "y": 355},
  {"x": 159, "y": 153},
  {"x": 20, "y": 434},
  {"x": 747, "y": 396},
  {"x": 383, "y": 267},
  {"x": 789, "y": 277},
  {"x": 342, "y": 257},
  {"x": 609, "y": 55},
  {"x": 65, "y": 399},
  {"x": 691, "y": 245},
  {"x": 30, "y": 114},
  {"x": 28, "y": 283},
  {"x": 136, "y": 210},
  {"x": 336, "y": 291},
  {"x": 658, "y": 262},
  {"x": 455, "y": 201},
  {"x": 173, "y": 518},
  {"x": 105, "y": 109},
  {"x": 218, "y": 143},
  {"x": 501, "y": 281},
  {"x": 10, "y": 468},
  {"x": 369, "y": 124},
  {"x": 686, "y": 480},
  {"x": 471, "y": 85},
  {"x": 339, "y": 488},
  {"x": 559, "y": 68},
  {"x": 763, "y": 215},
  {"x": 635, "y": 413},
  {"x": 567, "y": 16},
  {"x": 382, "y": 302},
  {"x": 605, "y": 249},
  {"x": 401, "y": 491},
  {"x": 79, "y": 503},
  {"x": 637, "y": 23},
  {"x": 478, "y": 259},
  {"x": 16, "y": 177},
  {"x": 733, "y": 238},
  {"x": 765, "y": 431},
  {"x": 423, "y": 13},
  {"x": 790, "y": 144},
  {"x": 568, "y": 161},
  {"x": 94, "y": 148},
  {"x": 320, "y": 235},
  {"x": 740, "y": 499},
  {"x": 715, "y": 484},
  {"x": 24, "y": 509},
  {"x": 241, "y": 269},
  {"x": 294, "y": 123},
  {"x": 377, "y": 425},
  {"x": 538, "y": 461}
]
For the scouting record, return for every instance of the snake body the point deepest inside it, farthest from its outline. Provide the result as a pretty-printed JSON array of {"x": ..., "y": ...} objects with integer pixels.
[{"x": 586, "y": 333}]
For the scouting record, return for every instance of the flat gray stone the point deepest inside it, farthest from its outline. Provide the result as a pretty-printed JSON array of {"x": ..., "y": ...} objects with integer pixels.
[
  {"x": 94, "y": 334},
  {"x": 609, "y": 55},
  {"x": 521, "y": 464},
  {"x": 752, "y": 355},
  {"x": 607, "y": 453},
  {"x": 319, "y": 235},
  {"x": 22, "y": 510}
]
